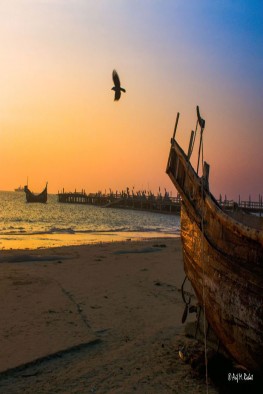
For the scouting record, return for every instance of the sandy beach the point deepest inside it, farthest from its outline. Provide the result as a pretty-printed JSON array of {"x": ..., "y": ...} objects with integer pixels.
[{"x": 102, "y": 318}]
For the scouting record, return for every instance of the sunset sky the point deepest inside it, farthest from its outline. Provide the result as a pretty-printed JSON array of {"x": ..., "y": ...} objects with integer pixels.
[{"x": 58, "y": 120}]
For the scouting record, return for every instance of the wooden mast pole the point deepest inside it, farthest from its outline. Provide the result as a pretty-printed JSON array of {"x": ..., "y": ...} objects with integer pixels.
[{"x": 176, "y": 124}]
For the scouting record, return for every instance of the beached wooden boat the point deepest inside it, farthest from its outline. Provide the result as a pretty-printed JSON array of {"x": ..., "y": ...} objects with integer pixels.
[
  {"x": 31, "y": 197},
  {"x": 223, "y": 258}
]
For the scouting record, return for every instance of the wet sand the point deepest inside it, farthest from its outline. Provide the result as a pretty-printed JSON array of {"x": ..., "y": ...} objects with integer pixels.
[{"x": 102, "y": 318}]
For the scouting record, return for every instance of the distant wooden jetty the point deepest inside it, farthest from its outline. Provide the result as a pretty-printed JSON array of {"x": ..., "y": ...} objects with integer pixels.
[
  {"x": 140, "y": 201},
  {"x": 246, "y": 206},
  {"x": 149, "y": 202}
]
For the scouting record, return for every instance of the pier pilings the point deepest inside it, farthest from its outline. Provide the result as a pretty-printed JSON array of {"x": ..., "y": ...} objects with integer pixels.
[
  {"x": 144, "y": 202},
  {"x": 149, "y": 202}
]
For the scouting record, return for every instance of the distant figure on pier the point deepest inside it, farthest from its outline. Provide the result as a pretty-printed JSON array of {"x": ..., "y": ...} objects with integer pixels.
[{"x": 117, "y": 85}]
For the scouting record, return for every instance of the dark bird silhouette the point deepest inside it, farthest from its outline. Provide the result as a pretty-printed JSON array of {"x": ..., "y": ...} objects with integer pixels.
[{"x": 117, "y": 85}]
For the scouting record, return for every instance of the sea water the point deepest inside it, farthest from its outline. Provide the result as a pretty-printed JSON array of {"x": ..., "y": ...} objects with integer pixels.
[{"x": 24, "y": 225}]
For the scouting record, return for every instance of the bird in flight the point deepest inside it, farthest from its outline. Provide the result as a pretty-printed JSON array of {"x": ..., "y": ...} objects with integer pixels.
[{"x": 117, "y": 85}]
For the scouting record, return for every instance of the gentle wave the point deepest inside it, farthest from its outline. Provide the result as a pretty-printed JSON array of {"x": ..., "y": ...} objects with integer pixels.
[
  {"x": 56, "y": 230},
  {"x": 22, "y": 231}
]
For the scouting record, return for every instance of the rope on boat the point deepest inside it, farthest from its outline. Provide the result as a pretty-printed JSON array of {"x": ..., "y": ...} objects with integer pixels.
[
  {"x": 187, "y": 302},
  {"x": 201, "y": 153},
  {"x": 192, "y": 141},
  {"x": 201, "y": 123}
]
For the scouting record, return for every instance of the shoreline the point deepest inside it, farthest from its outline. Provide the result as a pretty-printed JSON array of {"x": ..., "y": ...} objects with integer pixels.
[{"x": 46, "y": 241}]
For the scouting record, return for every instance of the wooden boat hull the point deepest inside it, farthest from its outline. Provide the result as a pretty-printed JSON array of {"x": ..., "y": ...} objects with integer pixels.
[
  {"x": 40, "y": 198},
  {"x": 233, "y": 298},
  {"x": 223, "y": 259}
]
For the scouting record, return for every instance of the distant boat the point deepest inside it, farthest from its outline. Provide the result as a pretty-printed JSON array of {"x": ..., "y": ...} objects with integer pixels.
[
  {"x": 31, "y": 197},
  {"x": 19, "y": 189},
  {"x": 223, "y": 258}
]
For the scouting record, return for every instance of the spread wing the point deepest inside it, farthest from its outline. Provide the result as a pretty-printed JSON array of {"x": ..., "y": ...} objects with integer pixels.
[{"x": 116, "y": 79}]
